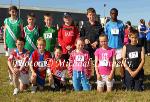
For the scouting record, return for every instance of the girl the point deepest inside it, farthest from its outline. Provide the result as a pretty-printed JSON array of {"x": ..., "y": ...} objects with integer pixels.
[
  {"x": 80, "y": 67},
  {"x": 104, "y": 65}
]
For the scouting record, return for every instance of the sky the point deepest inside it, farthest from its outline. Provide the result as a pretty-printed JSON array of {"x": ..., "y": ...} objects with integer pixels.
[{"x": 132, "y": 10}]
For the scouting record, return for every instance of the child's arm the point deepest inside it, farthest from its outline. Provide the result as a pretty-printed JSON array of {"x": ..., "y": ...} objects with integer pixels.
[
  {"x": 96, "y": 68},
  {"x": 31, "y": 68},
  {"x": 4, "y": 37},
  {"x": 124, "y": 59},
  {"x": 113, "y": 68},
  {"x": 141, "y": 64}
]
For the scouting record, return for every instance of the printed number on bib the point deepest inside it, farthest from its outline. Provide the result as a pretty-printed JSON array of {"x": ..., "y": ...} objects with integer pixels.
[
  {"x": 80, "y": 58},
  {"x": 58, "y": 73},
  {"x": 47, "y": 35},
  {"x": 103, "y": 63},
  {"x": 115, "y": 31},
  {"x": 133, "y": 54}
]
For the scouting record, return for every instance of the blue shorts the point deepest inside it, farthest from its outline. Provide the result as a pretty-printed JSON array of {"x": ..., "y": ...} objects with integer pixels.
[{"x": 39, "y": 80}]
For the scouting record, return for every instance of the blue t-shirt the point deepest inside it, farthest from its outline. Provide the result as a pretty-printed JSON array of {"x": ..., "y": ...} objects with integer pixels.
[
  {"x": 148, "y": 34},
  {"x": 115, "y": 33},
  {"x": 142, "y": 28}
]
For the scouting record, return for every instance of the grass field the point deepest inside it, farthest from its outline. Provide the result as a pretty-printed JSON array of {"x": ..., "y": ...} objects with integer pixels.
[{"x": 117, "y": 95}]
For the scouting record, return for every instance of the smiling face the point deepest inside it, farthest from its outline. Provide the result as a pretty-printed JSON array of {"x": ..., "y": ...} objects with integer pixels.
[
  {"x": 58, "y": 53},
  {"x": 79, "y": 45},
  {"x": 48, "y": 20},
  {"x": 91, "y": 16},
  {"x": 68, "y": 20},
  {"x": 19, "y": 45},
  {"x": 113, "y": 15},
  {"x": 103, "y": 41},
  {"x": 41, "y": 45},
  {"x": 31, "y": 20},
  {"x": 13, "y": 13},
  {"x": 134, "y": 39}
]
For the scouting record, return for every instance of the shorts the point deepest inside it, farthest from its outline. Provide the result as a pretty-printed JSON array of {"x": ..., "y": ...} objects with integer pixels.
[
  {"x": 118, "y": 54},
  {"x": 24, "y": 78},
  {"x": 105, "y": 81},
  {"x": 8, "y": 52},
  {"x": 58, "y": 84}
]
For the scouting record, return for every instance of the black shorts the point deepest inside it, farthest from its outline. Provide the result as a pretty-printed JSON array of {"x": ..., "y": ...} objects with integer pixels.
[
  {"x": 135, "y": 83},
  {"x": 58, "y": 85}
]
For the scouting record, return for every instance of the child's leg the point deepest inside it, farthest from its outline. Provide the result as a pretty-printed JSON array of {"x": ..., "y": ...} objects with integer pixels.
[
  {"x": 85, "y": 82},
  {"x": 77, "y": 81},
  {"x": 100, "y": 86},
  {"x": 16, "y": 78},
  {"x": 138, "y": 86},
  {"x": 128, "y": 81},
  {"x": 109, "y": 85},
  {"x": 24, "y": 81},
  {"x": 51, "y": 81}
]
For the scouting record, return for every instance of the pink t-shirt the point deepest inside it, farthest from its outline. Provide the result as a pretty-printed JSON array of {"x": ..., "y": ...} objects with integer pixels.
[
  {"x": 80, "y": 61},
  {"x": 105, "y": 57}
]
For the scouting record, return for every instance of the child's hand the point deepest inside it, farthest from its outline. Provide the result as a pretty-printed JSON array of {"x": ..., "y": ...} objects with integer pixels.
[
  {"x": 110, "y": 77},
  {"x": 33, "y": 74},
  {"x": 5, "y": 47},
  {"x": 87, "y": 41},
  {"x": 16, "y": 71},
  {"x": 68, "y": 47},
  {"x": 99, "y": 77},
  {"x": 94, "y": 44},
  {"x": 133, "y": 74},
  {"x": 63, "y": 82}
]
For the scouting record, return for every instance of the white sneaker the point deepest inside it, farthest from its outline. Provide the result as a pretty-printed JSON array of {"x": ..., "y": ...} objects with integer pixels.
[
  {"x": 53, "y": 86},
  {"x": 16, "y": 90},
  {"x": 33, "y": 89}
]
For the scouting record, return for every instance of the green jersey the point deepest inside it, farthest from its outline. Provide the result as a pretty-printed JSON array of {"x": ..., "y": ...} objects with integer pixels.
[
  {"x": 13, "y": 31},
  {"x": 50, "y": 35},
  {"x": 31, "y": 37}
]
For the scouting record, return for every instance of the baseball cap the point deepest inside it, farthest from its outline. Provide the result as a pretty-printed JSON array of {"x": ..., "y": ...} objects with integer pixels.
[{"x": 67, "y": 14}]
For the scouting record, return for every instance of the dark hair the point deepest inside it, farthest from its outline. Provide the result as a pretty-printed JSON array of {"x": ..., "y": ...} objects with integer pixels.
[
  {"x": 142, "y": 21},
  {"x": 81, "y": 39},
  {"x": 47, "y": 15},
  {"x": 31, "y": 15},
  {"x": 21, "y": 39},
  {"x": 114, "y": 9},
  {"x": 13, "y": 8},
  {"x": 91, "y": 10},
  {"x": 58, "y": 47},
  {"x": 133, "y": 32}
]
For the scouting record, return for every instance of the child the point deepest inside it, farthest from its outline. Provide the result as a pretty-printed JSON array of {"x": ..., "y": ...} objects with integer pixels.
[
  {"x": 90, "y": 31},
  {"x": 104, "y": 65},
  {"x": 114, "y": 29},
  {"x": 57, "y": 70},
  {"x": 31, "y": 32},
  {"x": 133, "y": 61},
  {"x": 79, "y": 68},
  {"x": 49, "y": 33},
  {"x": 13, "y": 28},
  {"x": 20, "y": 70},
  {"x": 67, "y": 35},
  {"x": 38, "y": 65},
  {"x": 148, "y": 39}
]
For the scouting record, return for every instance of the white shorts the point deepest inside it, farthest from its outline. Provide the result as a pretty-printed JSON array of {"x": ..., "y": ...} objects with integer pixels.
[
  {"x": 8, "y": 52},
  {"x": 24, "y": 78},
  {"x": 118, "y": 54},
  {"x": 105, "y": 81}
]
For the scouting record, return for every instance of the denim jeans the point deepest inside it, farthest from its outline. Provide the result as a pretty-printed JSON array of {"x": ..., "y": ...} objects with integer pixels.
[{"x": 80, "y": 81}]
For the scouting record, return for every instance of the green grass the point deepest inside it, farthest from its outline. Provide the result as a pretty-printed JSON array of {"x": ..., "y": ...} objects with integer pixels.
[{"x": 117, "y": 95}]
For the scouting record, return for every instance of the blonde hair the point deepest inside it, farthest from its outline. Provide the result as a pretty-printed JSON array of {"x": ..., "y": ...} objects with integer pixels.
[{"x": 40, "y": 39}]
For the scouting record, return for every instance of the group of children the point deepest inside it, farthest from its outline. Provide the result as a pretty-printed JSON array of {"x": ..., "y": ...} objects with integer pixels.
[{"x": 33, "y": 53}]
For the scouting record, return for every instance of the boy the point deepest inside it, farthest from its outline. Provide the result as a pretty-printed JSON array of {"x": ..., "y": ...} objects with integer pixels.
[
  {"x": 31, "y": 32},
  {"x": 90, "y": 31},
  {"x": 38, "y": 65},
  {"x": 49, "y": 33},
  {"x": 67, "y": 35},
  {"x": 13, "y": 28},
  {"x": 133, "y": 61},
  {"x": 57, "y": 70},
  {"x": 21, "y": 69},
  {"x": 114, "y": 29}
]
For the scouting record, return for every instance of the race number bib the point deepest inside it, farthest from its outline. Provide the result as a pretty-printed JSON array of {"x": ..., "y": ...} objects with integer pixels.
[
  {"x": 115, "y": 31},
  {"x": 103, "y": 63},
  {"x": 58, "y": 73},
  {"x": 47, "y": 35},
  {"x": 79, "y": 58},
  {"x": 133, "y": 54}
]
